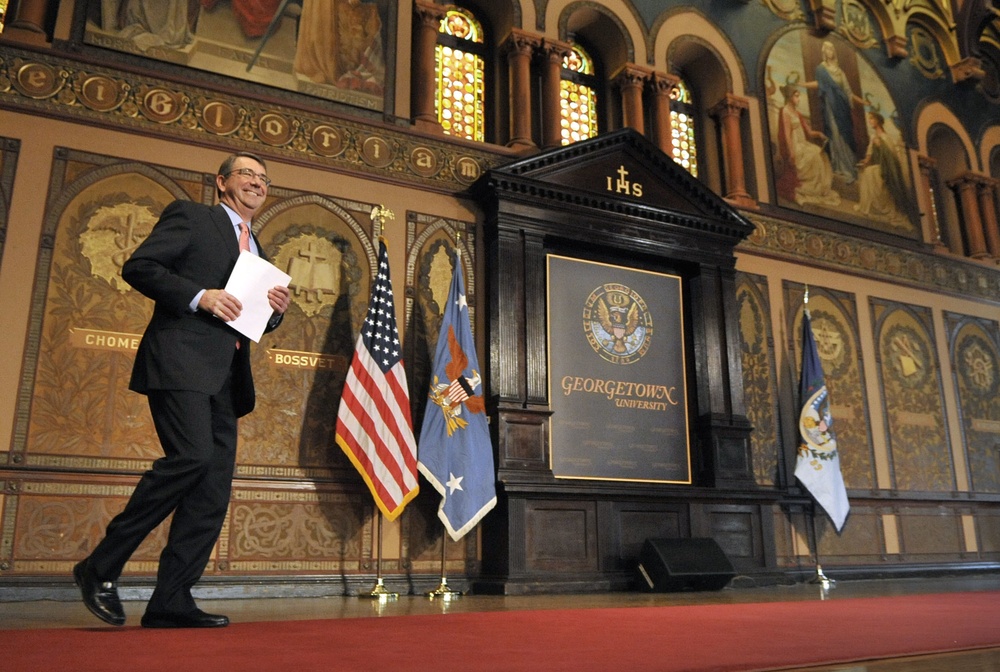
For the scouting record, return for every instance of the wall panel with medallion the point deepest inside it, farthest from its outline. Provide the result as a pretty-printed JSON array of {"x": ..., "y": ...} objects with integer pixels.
[
  {"x": 974, "y": 345},
  {"x": 912, "y": 398}
]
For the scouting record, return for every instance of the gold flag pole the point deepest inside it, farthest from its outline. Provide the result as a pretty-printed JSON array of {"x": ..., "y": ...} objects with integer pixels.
[
  {"x": 378, "y": 216},
  {"x": 380, "y": 592},
  {"x": 444, "y": 591}
]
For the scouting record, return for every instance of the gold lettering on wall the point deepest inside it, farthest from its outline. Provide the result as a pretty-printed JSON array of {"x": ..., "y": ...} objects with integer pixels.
[
  {"x": 219, "y": 117},
  {"x": 424, "y": 161},
  {"x": 309, "y": 361},
  {"x": 326, "y": 140},
  {"x": 160, "y": 105},
  {"x": 143, "y": 102},
  {"x": 275, "y": 129},
  {"x": 377, "y": 152},
  {"x": 37, "y": 80},
  {"x": 467, "y": 169},
  {"x": 101, "y": 94},
  {"x": 94, "y": 339}
]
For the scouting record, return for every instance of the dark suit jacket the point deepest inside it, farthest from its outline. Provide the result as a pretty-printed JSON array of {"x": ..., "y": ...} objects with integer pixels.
[{"x": 192, "y": 247}]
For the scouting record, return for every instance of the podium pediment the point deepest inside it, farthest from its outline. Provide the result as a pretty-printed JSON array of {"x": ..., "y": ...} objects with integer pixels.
[{"x": 622, "y": 171}]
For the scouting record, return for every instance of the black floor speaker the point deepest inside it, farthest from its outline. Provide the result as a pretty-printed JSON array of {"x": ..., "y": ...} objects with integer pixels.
[{"x": 670, "y": 565}]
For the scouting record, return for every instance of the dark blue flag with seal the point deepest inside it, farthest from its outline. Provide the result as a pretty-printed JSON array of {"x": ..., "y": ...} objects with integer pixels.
[
  {"x": 818, "y": 463},
  {"x": 454, "y": 452}
]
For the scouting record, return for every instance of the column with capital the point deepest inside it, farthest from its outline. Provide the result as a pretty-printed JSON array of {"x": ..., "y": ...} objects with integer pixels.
[
  {"x": 427, "y": 18},
  {"x": 553, "y": 53},
  {"x": 520, "y": 47},
  {"x": 729, "y": 111},
  {"x": 631, "y": 82},
  {"x": 988, "y": 209},
  {"x": 660, "y": 86},
  {"x": 964, "y": 187},
  {"x": 28, "y": 22}
]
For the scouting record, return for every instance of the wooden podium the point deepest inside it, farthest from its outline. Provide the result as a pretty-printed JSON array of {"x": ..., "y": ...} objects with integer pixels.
[{"x": 615, "y": 200}]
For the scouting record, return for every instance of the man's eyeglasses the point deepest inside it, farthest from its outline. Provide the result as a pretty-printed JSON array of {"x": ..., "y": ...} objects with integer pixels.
[{"x": 247, "y": 172}]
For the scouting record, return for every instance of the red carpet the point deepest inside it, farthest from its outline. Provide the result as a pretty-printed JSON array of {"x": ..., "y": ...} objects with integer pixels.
[{"x": 741, "y": 637}]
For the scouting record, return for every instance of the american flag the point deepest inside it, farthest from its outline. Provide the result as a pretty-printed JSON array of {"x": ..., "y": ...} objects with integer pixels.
[{"x": 374, "y": 428}]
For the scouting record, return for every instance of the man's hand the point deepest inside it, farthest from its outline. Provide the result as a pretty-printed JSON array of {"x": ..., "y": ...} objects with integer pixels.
[
  {"x": 222, "y": 304},
  {"x": 279, "y": 298}
]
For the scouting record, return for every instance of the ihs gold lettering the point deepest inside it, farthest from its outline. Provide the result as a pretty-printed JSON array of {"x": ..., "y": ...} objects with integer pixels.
[{"x": 622, "y": 185}]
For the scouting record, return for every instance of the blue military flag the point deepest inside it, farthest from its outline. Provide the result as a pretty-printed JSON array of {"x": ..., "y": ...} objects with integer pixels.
[
  {"x": 454, "y": 450},
  {"x": 818, "y": 463}
]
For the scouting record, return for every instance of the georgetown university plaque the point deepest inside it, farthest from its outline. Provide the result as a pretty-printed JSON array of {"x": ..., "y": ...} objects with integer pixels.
[{"x": 617, "y": 373}]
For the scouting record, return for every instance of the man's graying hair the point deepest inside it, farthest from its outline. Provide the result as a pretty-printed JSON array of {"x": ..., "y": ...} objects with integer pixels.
[{"x": 227, "y": 165}]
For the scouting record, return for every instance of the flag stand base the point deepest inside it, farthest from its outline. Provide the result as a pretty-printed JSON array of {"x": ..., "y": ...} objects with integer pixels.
[
  {"x": 380, "y": 593},
  {"x": 822, "y": 579},
  {"x": 444, "y": 592}
]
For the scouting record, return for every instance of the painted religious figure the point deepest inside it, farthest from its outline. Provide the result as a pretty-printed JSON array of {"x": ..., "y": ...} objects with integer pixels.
[
  {"x": 333, "y": 49},
  {"x": 882, "y": 185},
  {"x": 835, "y": 145},
  {"x": 804, "y": 174}
]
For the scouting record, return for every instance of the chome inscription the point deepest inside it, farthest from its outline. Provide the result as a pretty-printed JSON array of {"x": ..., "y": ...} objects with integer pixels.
[{"x": 94, "y": 339}]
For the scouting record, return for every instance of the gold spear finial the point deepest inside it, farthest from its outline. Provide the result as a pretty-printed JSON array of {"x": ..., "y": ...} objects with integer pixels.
[{"x": 380, "y": 213}]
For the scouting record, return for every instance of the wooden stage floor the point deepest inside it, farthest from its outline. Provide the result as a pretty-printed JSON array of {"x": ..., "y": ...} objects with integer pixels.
[{"x": 66, "y": 614}]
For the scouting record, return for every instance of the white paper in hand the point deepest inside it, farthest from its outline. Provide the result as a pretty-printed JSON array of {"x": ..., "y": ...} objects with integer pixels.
[{"x": 249, "y": 282}]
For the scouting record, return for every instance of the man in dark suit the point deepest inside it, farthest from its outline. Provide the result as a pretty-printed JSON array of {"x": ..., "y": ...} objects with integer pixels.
[{"x": 195, "y": 371}]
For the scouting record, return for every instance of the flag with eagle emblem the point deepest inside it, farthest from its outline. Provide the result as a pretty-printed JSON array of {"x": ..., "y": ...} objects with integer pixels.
[
  {"x": 455, "y": 453},
  {"x": 818, "y": 463}
]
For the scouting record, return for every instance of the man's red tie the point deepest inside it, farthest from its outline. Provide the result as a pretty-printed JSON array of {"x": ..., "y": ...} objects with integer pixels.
[{"x": 244, "y": 237}]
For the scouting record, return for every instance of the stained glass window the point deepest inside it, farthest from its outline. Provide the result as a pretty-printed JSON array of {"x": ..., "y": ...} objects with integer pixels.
[
  {"x": 578, "y": 97},
  {"x": 460, "y": 71},
  {"x": 682, "y": 127}
]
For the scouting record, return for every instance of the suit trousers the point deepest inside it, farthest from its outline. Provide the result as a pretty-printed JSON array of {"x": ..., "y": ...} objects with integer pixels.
[{"x": 193, "y": 481}]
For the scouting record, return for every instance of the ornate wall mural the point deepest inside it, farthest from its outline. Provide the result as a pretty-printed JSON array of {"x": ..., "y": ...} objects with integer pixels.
[
  {"x": 834, "y": 323},
  {"x": 333, "y": 49},
  {"x": 760, "y": 384},
  {"x": 910, "y": 378},
  {"x": 836, "y": 148},
  {"x": 975, "y": 360}
]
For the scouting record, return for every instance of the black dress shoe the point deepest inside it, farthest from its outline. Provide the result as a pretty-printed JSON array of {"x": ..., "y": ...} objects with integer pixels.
[
  {"x": 189, "y": 619},
  {"x": 101, "y": 597}
]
